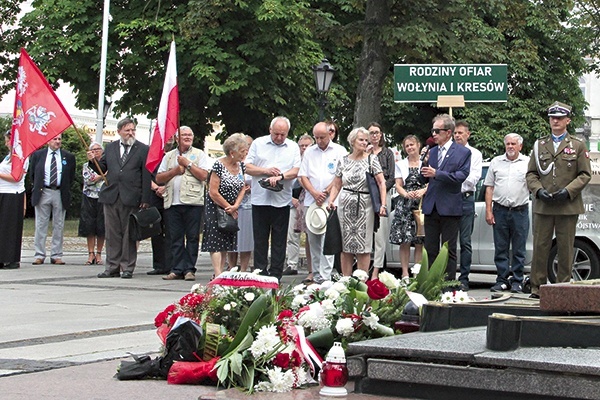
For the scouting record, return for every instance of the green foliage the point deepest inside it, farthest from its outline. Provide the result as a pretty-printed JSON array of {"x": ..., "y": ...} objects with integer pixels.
[{"x": 244, "y": 62}]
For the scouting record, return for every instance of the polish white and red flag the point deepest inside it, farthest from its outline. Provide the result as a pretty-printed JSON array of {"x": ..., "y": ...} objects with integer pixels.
[
  {"x": 167, "y": 121},
  {"x": 38, "y": 116}
]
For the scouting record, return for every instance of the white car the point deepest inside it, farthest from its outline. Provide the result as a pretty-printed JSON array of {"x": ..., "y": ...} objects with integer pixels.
[{"x": 586, "y": 263}]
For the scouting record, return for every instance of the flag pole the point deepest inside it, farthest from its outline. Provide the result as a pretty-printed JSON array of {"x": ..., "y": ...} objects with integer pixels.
[{"x": 86, "y": 148}]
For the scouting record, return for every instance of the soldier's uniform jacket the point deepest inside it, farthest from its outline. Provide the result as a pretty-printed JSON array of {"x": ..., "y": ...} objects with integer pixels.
[{"x": 568, "y": 167}]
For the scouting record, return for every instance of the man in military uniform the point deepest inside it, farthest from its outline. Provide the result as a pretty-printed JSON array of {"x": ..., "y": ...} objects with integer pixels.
[{"x": 559, "y": 169}]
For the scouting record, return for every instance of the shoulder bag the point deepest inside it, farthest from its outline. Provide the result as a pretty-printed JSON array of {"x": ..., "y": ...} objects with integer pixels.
[{"x": 225, "y": 222}]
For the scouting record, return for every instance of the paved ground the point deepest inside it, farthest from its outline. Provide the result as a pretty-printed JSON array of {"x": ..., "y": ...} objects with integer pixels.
[{"x": 65, "y": 331}]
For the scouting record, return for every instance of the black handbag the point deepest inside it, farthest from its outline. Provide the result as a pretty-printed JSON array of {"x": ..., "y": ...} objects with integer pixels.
[
  {"x": 373, "y": 189},
  {"x": 332, "y": 243},
  {"x": 225, "y": 222},
  {"x": 144, "y": 223}
]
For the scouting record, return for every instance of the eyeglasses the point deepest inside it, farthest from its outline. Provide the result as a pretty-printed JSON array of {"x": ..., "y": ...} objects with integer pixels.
[
  {"x": 96, "y": 149},
  {"x": 374, "y": 133},
  {"x": 437, "y": 131}
]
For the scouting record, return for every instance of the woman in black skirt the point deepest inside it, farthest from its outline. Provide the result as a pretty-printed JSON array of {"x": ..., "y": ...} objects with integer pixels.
[
  {"x": 91, "y": 219},
  {"x": 12, "y": 210}
]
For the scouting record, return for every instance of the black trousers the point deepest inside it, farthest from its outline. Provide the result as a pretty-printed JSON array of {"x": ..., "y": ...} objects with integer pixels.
[
  {"x": 438, "y": 230},
  {"x": 269, "y": 221}
]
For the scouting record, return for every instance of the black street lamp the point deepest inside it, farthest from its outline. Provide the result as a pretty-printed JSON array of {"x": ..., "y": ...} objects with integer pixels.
[
  {"x": 107, "y": 104},
  {"x": 323, "y": 76}
]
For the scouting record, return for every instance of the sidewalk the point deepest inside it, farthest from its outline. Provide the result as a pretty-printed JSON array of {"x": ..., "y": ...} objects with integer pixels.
[{"x": 65, "y": 331}]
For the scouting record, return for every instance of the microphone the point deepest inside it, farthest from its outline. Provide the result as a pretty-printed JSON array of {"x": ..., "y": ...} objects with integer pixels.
[{"x": 424, "y": 153}]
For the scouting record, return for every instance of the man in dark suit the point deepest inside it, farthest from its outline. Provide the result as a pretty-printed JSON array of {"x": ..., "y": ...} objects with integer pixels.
[
  {"x": 127, "y": 190},
  {"x": 449, "y": 166},
  {"x": 52, "y": 173}
]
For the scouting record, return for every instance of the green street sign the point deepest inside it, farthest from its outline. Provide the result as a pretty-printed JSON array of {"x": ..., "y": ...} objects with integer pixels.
[{"x": 423, "y": 83}]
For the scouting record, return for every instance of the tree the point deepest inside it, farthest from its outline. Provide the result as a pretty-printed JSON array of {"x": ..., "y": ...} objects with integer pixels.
[{"x": 243, "y": 62}]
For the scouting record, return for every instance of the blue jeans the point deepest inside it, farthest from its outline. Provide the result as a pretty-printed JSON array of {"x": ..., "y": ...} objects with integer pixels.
[
  {"x": 183, "y": 224},
  {"x": 510, "y": 231},
  {"x": 466, "y": 230}
]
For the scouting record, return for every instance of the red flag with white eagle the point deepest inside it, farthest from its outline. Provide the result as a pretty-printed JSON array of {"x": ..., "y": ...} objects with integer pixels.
[
  {"x": 38, "y": 116},
  {"x": 167, "y": 121}
]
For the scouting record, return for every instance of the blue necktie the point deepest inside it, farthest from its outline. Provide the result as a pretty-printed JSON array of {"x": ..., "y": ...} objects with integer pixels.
[{"x": 441, "y": 156}]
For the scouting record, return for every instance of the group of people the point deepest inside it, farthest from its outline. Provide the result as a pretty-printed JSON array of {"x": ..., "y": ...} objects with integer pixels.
[{"x": 276, "y": 188}]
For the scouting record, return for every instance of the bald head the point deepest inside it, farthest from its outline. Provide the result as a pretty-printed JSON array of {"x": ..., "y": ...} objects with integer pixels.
[{"x": 321, "y": 135}]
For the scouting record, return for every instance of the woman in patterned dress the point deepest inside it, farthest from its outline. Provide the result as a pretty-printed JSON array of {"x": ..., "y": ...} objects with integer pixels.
[
  {"x": 91, "y": 219},
  {"x": 225, "y": 190},
  {"x": 356, "y": 213},
  {"x": 411, "y": 189}
]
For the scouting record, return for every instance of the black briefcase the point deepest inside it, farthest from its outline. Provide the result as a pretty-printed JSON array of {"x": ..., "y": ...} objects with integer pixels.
[{"x": 144, "y": 223}]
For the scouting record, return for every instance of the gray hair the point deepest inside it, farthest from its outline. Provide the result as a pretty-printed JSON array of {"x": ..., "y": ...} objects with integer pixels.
[
  {"x": 354, "y": 134},
  {"x": 446, "y": 119},
  {"x": 186, "y": 128},
  {"x": 306, "y": 136},
  {"x": 235, "y": 142},
  {"x": 125, "y": 121},
  {"x": 287, "y": 121},
  {"x": 94, "y": 144},
  {"x": 515, "y": 136}
]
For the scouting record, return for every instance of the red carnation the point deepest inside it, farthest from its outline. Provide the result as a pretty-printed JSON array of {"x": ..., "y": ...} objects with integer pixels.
[
  {"x": 377, "y": 290},
  {"x": 282, "y": 360},
  {"x": 161, "y": 318},
  {"x": 285, "y": 314}
]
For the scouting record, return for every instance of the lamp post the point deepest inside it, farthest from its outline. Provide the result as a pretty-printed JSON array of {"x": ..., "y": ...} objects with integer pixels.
[
  {"x": 107, "y": 104},
  {"x": 101, "y": 88},
  {"x": 323, "y": 76}
]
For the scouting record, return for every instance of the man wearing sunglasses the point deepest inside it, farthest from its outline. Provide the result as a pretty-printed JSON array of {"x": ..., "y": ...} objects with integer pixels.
[
  {"x": 559, "y": 168},
  {"x": 449, "y": 166}
]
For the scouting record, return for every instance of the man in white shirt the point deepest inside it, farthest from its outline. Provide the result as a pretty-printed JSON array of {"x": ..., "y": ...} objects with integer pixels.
[
  {"x": 316, "y": 175},
  {"x": 468, "y": 188},
  {"x": 507, "y": 210},
  {"x": 275, "y": 158}
]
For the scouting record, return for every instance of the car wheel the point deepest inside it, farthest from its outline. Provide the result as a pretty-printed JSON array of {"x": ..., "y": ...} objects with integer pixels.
[{"x": 585, "y": 262}]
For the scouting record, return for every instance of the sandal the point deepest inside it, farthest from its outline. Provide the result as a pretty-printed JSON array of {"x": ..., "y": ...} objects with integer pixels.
[
  {"x": 91, "y": 259},
  {"x": 99, "y": 258}
]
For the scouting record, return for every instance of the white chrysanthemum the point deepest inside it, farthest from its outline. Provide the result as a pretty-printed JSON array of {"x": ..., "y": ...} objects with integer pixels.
[
  {"x": 361, "y": 275},
  {"x": 344, "y": 327},
  {"x": 389, "y": 280},
  {"x": 266, "y": 339},
  {"x": 328, "y": 307},
  {"x": 257, "y": 271},
  {"x": 341, "y": 287},
  {"x": 298, "y": 288},
  {"x": 234, "y": 269},
  {"x": 332, "y": 294},
  {"x": 415, "y": 269},
  {"x": 233, "y": 304},
  {"x": 371, "y": 320},
  {"x": 447, "y": 297},
  {"x": 279, "y": 381},
  {"x": 461, "y": 296},
  {"x": 196, "y": 288},
  {"x": 249, "y": 296},
  {"x": 326, "y": 285},
  {"x": 314, "y": 318},
  {"x": 298, "y": 301},
  {"x": 344, "y": 279}
]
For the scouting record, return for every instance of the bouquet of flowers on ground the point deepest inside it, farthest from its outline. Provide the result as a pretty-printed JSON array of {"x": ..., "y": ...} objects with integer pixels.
[{"x": 257, "y": 337}]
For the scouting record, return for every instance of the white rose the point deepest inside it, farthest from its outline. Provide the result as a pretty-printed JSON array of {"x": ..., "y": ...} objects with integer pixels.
[
  {"x": 361, "y": 275},
  {"x": 389, "y": 280},
  {"x": 415, "y": 269},
  {"x": 249, "y": 296}
]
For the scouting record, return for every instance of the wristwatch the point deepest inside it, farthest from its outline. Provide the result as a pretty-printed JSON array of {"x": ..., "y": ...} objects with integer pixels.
[
  {"x": 282, "y": 177},
  {"x": 189, "y": 167}
]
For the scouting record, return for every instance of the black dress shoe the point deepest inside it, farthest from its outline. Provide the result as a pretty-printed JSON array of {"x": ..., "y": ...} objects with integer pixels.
[
  {"x": 289, "y": 271},
  {"x": 106, "y": 274},
  {"x": 13, "y": 265},
  {"x": 157, "y": 272},
  {"x": 534, "y": 296},
  {"x": 126, "y": 275}
]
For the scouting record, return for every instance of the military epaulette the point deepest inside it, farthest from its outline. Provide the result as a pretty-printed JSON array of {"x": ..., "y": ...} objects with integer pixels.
[{"x": 575, "y": 138}]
